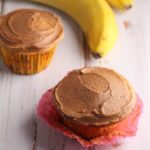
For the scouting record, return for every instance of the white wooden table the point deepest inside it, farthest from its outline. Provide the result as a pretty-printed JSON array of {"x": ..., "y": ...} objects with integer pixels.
[{"x": 20, "y": 129}]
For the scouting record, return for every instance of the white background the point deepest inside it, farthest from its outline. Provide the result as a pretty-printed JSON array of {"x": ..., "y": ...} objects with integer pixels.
[{"x": 20, "y": 129}]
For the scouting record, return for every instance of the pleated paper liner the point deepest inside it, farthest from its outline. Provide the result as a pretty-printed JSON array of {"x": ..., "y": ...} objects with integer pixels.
[
  {"x": 126, "y": 128},
  {"x": 27, "y": 63}
]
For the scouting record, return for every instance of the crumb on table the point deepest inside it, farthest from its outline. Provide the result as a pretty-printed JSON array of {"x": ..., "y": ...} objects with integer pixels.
[{"x": 127, "y": 24}]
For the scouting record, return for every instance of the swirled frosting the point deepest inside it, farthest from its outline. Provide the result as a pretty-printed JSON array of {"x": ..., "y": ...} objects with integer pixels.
[
  {"x": 94, "y": 96},
  {"x": 30, "y": 29}
]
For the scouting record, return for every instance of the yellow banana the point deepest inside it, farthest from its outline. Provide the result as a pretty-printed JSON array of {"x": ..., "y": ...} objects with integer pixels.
[
  {"x": 96, "y": 19},
  {"x": 121, "y": 4}
]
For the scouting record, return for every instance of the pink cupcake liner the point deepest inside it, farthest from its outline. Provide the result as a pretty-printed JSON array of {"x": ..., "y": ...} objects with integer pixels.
[{"x": 47, "y": 112}]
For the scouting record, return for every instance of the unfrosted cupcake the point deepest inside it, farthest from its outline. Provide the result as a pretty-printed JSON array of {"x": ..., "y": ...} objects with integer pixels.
[
  {"x": 28, "y": 39},
  {"x": 96, "y": 102}
]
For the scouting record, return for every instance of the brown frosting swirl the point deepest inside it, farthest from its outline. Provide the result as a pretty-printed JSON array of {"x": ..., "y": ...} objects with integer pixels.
[
  {"x": 30, "y": 29},
  {"x": 94, "y": 96}
]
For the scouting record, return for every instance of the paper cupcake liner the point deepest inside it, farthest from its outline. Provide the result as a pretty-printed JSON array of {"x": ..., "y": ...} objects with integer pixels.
[
  {"x": 126, "y": 128},
  {"x": 25, "y": 62}
]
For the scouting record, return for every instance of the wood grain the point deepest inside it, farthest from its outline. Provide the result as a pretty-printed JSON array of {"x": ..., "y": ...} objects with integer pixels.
[
  {"x": 20, "y": 129},
  {"x": 0, "y": 5},
  {"x": 1, "y": 1}
]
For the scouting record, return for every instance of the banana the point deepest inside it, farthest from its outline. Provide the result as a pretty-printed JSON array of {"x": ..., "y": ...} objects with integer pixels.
[
  {"x": 121, "y": 4},
  {"x": 96, "y": 19}
]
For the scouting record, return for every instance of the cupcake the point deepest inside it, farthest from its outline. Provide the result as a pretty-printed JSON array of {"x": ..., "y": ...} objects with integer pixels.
[
  {"x": 28, "y": 39},
  {"x": 94, "y": 102}
]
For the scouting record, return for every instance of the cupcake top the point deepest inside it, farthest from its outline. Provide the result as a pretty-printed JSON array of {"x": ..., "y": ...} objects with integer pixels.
[
  {"x": 94, "y": 96},
  {"x": 30, "y": 29}
]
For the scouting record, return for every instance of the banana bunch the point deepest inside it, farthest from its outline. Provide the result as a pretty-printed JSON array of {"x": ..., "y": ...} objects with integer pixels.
[{"x": 96, "y": 19}]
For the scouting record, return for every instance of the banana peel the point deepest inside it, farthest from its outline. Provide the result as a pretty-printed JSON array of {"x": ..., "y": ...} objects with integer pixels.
[
  {"x": 96, "y": 19},
  {"x": 121, "y": 4}
]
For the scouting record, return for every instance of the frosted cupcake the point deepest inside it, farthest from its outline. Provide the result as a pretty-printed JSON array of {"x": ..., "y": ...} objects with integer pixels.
[
  {"x": 96, "y": 102},
  {"x": 28, "y": 39}
]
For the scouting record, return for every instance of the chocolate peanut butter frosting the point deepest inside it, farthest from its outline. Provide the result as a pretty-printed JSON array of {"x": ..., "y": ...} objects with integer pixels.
[
  {"x": 94, "y": 96},
  {"x": 30, "y": 29}
]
